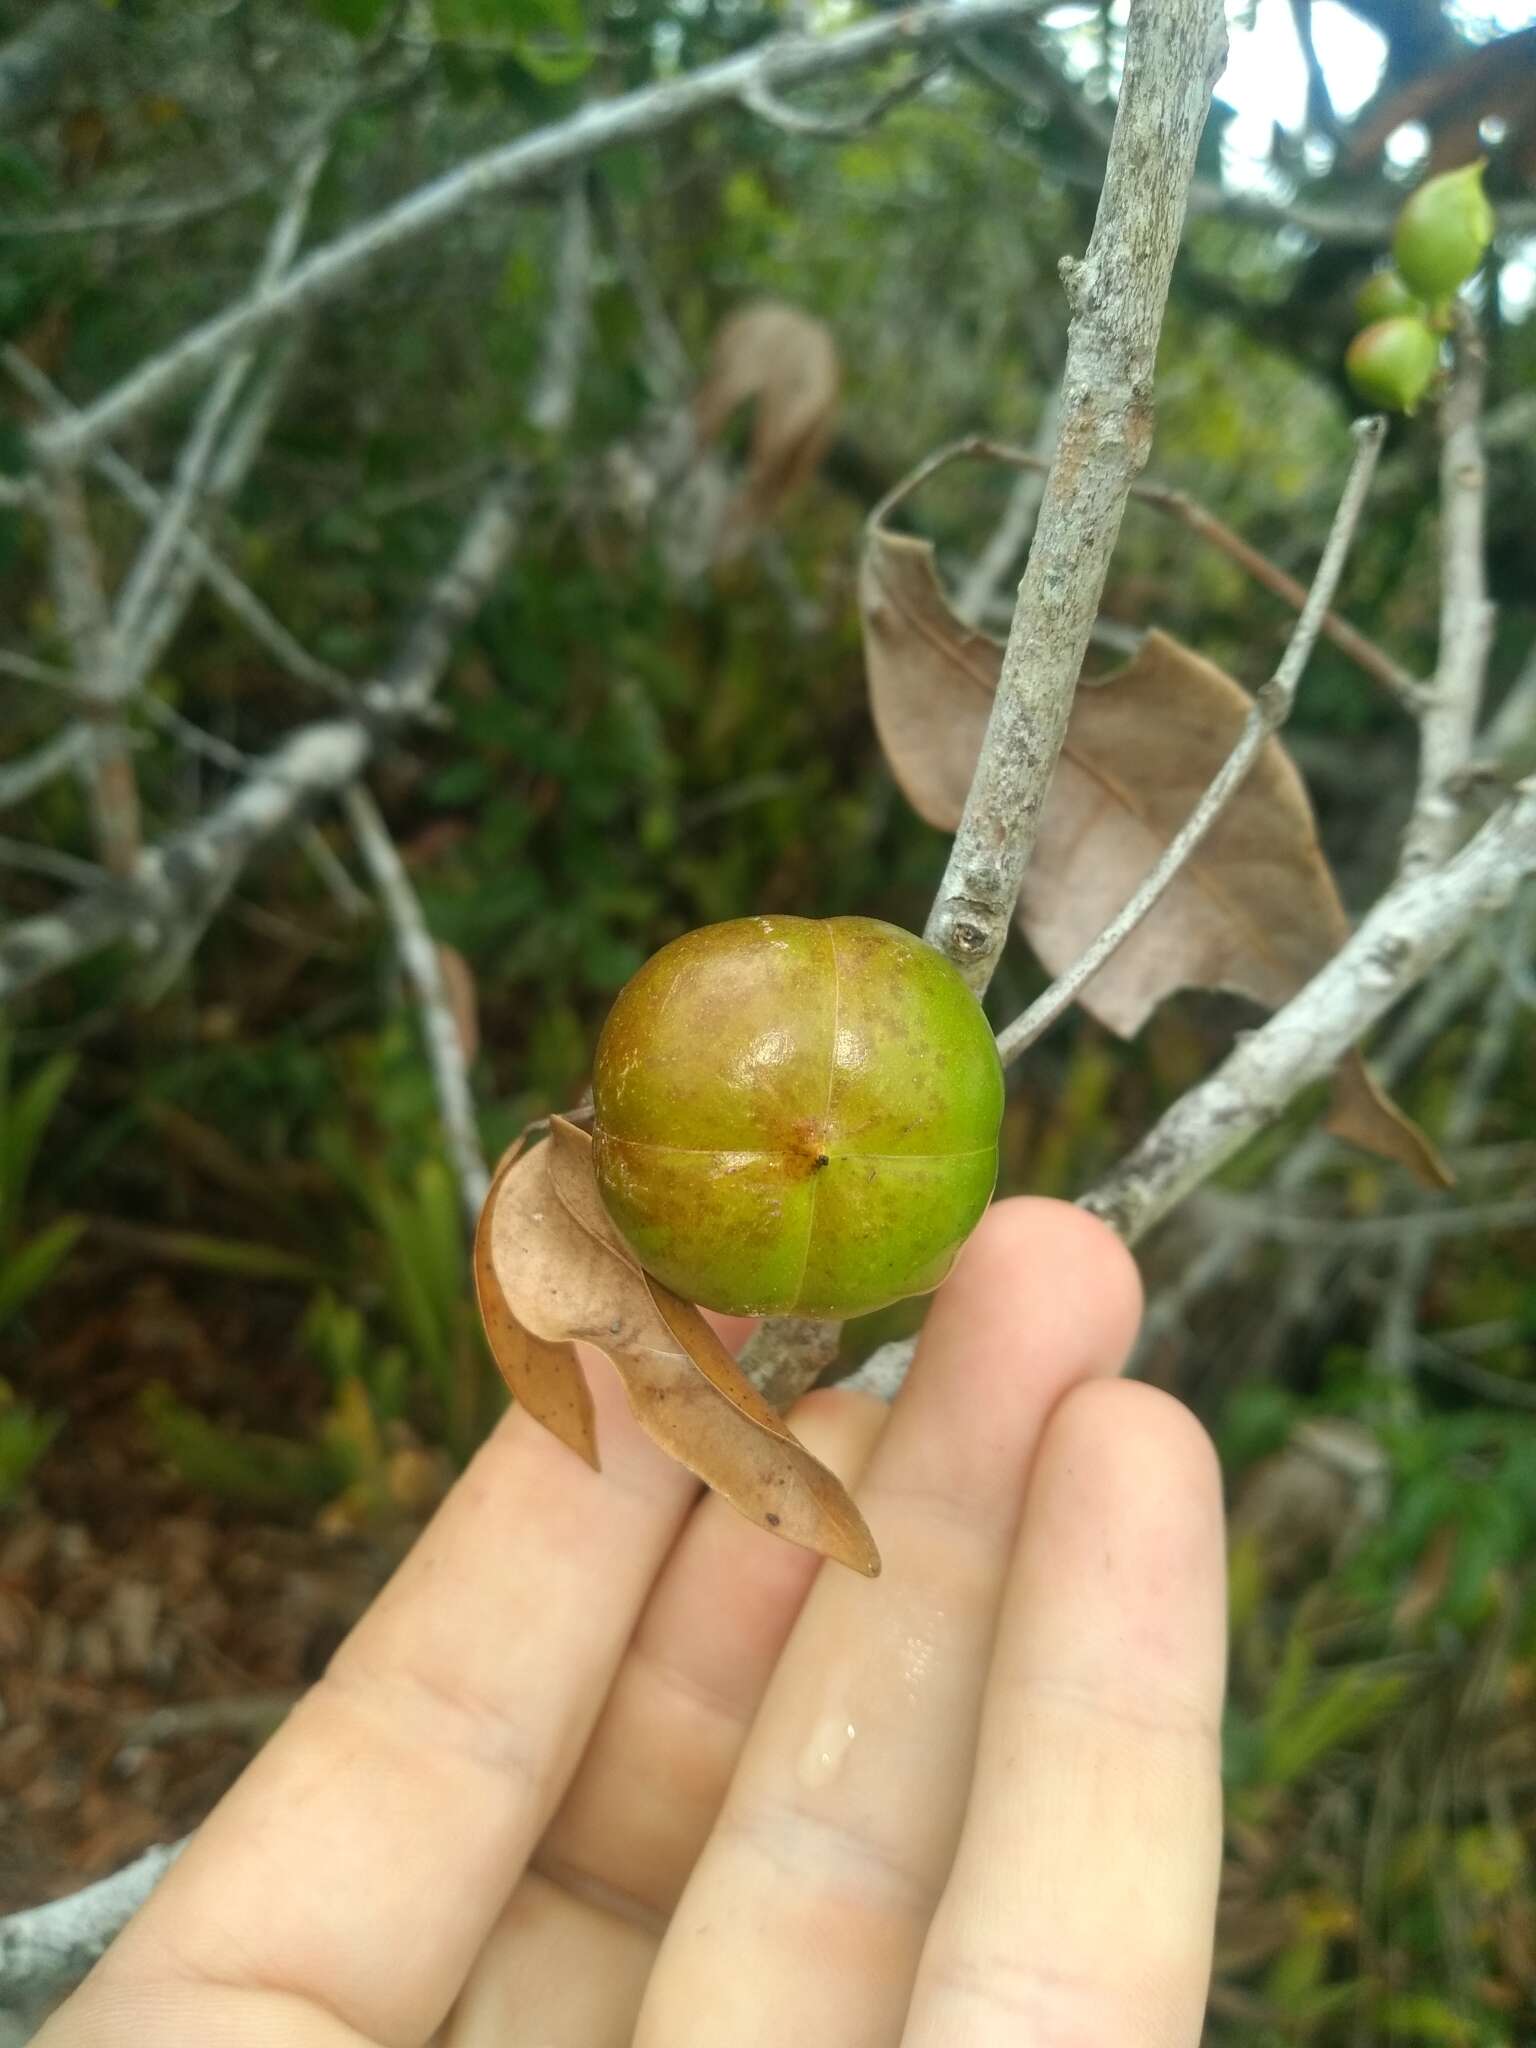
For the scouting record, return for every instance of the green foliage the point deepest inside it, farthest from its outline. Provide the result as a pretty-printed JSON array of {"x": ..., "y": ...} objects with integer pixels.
[
  {"x": 250, "y": 1466},
  {"x": 24, "y": 1436},
  {"x": 26, "y": 1110}
]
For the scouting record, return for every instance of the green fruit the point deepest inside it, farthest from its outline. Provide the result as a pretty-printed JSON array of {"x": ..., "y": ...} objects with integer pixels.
[
  {"x": 1393, "y": 363},
  {"x": 1382, "y": 297},
  {"x": 1443, "y": 232},
  {"x": 793, "y": 1115}
]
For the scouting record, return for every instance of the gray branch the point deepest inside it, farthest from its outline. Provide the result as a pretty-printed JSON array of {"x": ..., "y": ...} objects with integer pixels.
[
  {"x": 237, "y": 598},
  {"x": 175, "y": 886},
  {"x": 1448, "y": 721},
  {"x": 32, "y": 62},
  {"x": 553, "y": 398},
  {"x": 49, "y": 1948},
  {"x": 419, "y": 957},
  {"x": 1270, "y": 711},
  {"x": 1407, "y": 934},
  {"x": 513, "y": 166},
  {"x": 1117, "y": 293},
  {"x": 142, "y": 627}
]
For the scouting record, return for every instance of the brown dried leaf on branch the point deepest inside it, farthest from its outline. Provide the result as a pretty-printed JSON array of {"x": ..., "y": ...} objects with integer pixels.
[
  {"x": 784, "y": 362},
  {"x": 551, "y": 1271},
  {"x": 1255, "y": 911}
]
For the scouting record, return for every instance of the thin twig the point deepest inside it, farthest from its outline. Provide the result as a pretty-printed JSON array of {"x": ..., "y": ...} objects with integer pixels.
[
  {"x": 1174, "y": 50},
  {"x": 1450, "y": 715},
  {"x": 134, "y": 648},
  {"x": 1407, "y": 934},
  {"x": 760, "y": 99},
  {"x": 421, "y": 961},
  {"x": 175, "y": 887},
  {"x": 237, "y": 598},
  {"x": 82, "y": 607},
  {"x": 1013, "y": 532},
  {"x": 1366, "y": 655},
  {"x": 1254, "y": 1217},
  {"x": 1271, "y": 709},
  {"x": 34, "y": 771},
  {"x": 651, "y": 110},
  {"x": 1397, "y": 1326},
  {"x": 553, "y": 397}
]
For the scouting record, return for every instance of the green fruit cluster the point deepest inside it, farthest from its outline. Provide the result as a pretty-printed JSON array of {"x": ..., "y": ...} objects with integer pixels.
[{"x": 1441, "y": 237}]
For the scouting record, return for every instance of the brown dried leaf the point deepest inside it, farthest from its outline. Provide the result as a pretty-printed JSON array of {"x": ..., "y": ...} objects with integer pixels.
[
  {"x": 1255, "y": 911},
  {"x": 461, "y": 989},
  {"x": 543, "y": 1374},
  {"x": 1362, "y": 1113},
  {"x": 560, "y": 1272},
  {"x": 786, "y": 361}
]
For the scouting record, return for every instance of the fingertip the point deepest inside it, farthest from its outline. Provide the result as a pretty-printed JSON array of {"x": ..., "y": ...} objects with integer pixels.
[
  {"x": 1134, "y": 1437},
  {"x": 1035, "y": 1261}
]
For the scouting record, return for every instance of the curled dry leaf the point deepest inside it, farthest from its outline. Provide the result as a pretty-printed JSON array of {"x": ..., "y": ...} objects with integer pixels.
[
  {"x": 543, "y": 1373},
  {"x": 1364, "y": 1114},
  {"x": 1255, "y": 910},
  {"x": 552, "y": 1271},
  {"x": 785, "y": 362}
]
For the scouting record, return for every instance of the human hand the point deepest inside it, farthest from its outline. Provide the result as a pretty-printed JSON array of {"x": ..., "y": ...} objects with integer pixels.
[{"x": 604, "y": 1765}]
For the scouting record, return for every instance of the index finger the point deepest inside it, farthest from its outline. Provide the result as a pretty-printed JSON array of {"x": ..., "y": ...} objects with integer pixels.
[{"x": 360, "y": 1861}]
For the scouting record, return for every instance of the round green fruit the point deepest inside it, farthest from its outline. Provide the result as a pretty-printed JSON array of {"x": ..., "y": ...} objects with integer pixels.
[
  {"x": 1384, "y": 296},
  {"x": 1443, "y": 232},
  {"x": 795, "y": 1115},
  {"x": 1393, "y": 363}
]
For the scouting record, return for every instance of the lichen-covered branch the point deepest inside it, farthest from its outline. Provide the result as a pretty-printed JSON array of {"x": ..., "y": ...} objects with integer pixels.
[
  {"x": 1408, "y": 933},
  {"x": 1117, "y": 293},
  {"x": 48, "y": 1948}
]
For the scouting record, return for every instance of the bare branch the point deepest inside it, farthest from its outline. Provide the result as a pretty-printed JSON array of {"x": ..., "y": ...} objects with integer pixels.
[
  {"x": 54, "y": 41},
  {"x": 1349, "y": 640},
  {"x": 238, "y": 600},
  {"x": 135, "y": 649},
  {"x": 651, "y": 110},
  {"x": 82, "y": 608},
  {"x": 1174, "y": 51},
  {"x": 1450, "y": 715},
  {"x": 19, "y": 779},
  {"x": 1397, "y": 1329},
  {"x": 1408, "y": 933},
  {"x": 553, "y": 398},
  {"x": 48, "y": 1948},
  {"x": 1271, "y": 709},
  {"x": 176, "y": 886},
  {"x": 26, "y": 670},
  {"x": 420, "y": 959},
  {"x": 1012, "y": 535},
  {"x": 760, "y": 99}
]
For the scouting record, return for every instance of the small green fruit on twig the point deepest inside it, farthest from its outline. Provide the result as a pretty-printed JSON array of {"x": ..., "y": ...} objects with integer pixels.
[
  {"x": 1443, "y": 232},
  {"x": 1384, "y": 296},
  {"x": 793, "y": 1115},
  {"x": 1393, "y": 363}
]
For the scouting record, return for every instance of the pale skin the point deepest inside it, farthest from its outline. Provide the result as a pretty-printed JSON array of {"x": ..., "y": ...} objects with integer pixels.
[{"x": 581, "y": 1778}]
